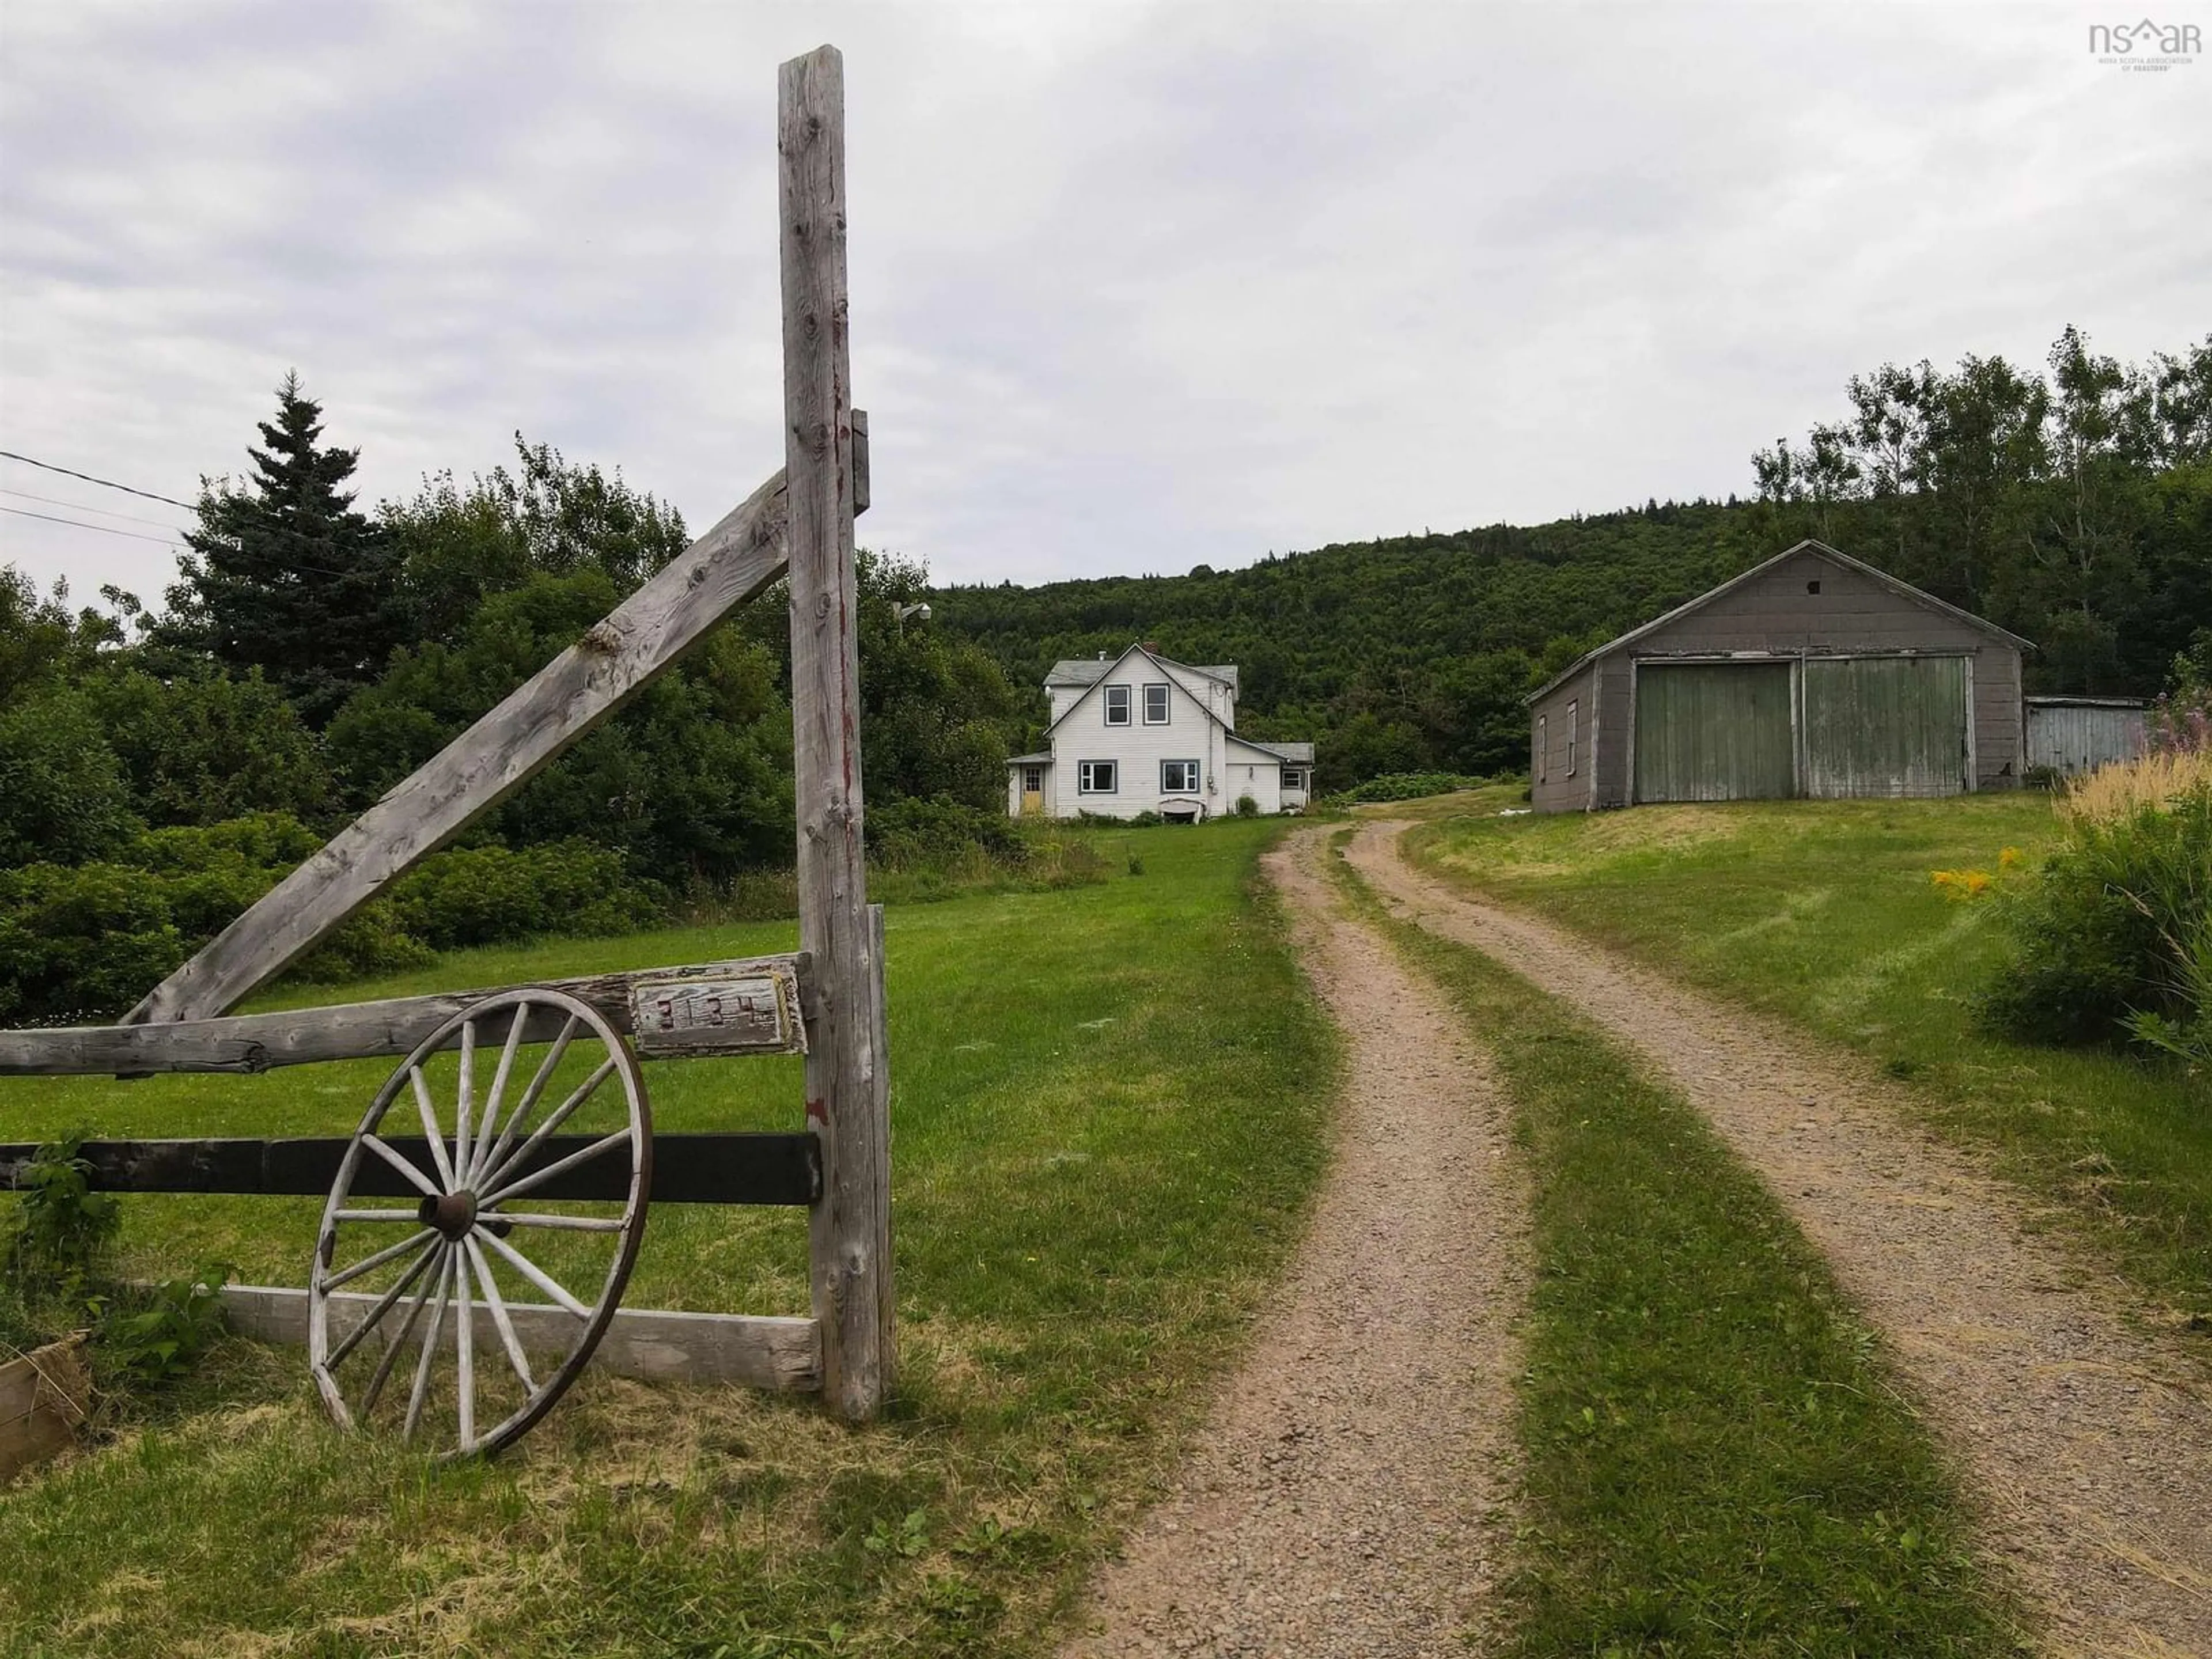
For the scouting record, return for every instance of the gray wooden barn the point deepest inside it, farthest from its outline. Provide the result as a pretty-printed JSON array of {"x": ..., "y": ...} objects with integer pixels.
[{"x": 1813, "y": 674}]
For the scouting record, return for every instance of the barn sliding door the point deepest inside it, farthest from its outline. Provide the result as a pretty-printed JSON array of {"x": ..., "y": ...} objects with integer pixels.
[
  {"x": 1714, "y": 731},
  {"x": 1884, "y": 726}
]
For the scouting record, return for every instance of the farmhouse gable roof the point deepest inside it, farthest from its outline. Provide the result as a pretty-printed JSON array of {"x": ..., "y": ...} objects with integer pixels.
[
  {"x": 1108, "y": 666},
  {"x": 1089, "y": 670}
]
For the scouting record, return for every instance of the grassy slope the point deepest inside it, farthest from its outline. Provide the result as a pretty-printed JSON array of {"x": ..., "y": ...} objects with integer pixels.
[
  {"x": 1716, "y": 1461},
  {"x": 1108, "y": 1106},
  {"x": 1825, "y": 913}
]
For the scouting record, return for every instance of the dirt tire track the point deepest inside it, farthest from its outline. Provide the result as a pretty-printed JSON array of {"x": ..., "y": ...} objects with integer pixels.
[
  {"x": 1342, "y": 1498},
  {"x": 2089, "y": 1448}
]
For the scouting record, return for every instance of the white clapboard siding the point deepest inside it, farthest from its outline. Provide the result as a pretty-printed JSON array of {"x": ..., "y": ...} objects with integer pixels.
[{"x": 1136, "y": 749}]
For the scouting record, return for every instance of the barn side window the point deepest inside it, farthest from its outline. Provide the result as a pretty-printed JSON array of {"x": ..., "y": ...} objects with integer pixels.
[
  {"x": 1573, "y": 709},
  {"x": 1543, "y": 746}
]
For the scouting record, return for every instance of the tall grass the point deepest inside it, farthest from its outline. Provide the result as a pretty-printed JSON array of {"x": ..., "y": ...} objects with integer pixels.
[
  {"x": 2113, "y": 938},
  {"x": 2156, "y": 781}
]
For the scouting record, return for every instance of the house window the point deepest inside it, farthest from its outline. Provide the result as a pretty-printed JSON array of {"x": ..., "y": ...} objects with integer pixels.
[
  {"x": 1573, "y": 709},
  {"x": 1032, "y": 780},
  {"x": 1293, "y": 778},
  {"x": 1155, "y": 705},
  {"x": 1094, "y": 777},
  {"x": 1179, "y": 777},
  {"x": 1543, "y": 746},
  {"x": 1118, "y": 705}
]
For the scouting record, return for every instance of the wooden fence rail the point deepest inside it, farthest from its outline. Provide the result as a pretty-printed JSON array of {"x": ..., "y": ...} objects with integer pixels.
[{"x": 777, "y": 988}]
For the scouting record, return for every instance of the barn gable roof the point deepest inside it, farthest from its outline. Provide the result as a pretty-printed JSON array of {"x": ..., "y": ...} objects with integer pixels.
[{"x": 1836, "y": 555}]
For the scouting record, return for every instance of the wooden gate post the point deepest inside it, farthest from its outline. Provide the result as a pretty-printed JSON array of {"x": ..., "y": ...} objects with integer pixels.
[{"x": 847, "y": 1081}]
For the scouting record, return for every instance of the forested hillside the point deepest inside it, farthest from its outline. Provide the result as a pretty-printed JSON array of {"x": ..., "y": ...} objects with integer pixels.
[{"x": 2073, "y": 506}]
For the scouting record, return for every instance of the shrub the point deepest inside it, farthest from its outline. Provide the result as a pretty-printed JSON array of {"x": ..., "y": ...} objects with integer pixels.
[
  {"x": 1247, "y": 807},
  {"x": 2180, "y": 721},
  {"x": 58, "y": 1232},
  {"x": 83, "y": 942},
  {"x": 371, "y": 943},
  {"x": 481, "y": 895},
  {"x": 2114, "y": 938},
  {"x": 62, "y": 793},
  {"x": 55, "y": 1242},
  {"x": 86, "y": 941},
  {"x": 903, "y": 834},
  {"x": 1404, "y": 786},
  {"x": 200, "y": 746},
  {"x": 152, "y": 1333}
]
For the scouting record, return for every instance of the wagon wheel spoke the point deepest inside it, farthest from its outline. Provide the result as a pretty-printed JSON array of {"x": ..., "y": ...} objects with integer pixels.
[
  {"x": 560, "y": 1166},
  {"x": 465, "y": 1340},
  {"x": 430, "y": 1129},
  {"x": 441, "y": 1262},
  {"x": 531, "y": 1094},
  {"x": 553, "y": 1120},
  {"x": 374, "y": 1317},
  {"x": 394, "y": 1348},
  {"x": 422, "y": 1390},
  {"x": 498, "y": 1091},
  {"x": 500, "y": 1316},
  {"x": 369, "y": 1264},
  {"x": 390, "y": 1154},
  {"x": 575, "y": 1224},
  {"x": 464, "y": 1106},
  {"x": 535, "y": 1275}
]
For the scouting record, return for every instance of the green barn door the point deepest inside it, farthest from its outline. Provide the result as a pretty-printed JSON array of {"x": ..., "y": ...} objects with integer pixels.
[
  {"x": 1884, "y": 726},
  {"x": 1713, "y": 731}
]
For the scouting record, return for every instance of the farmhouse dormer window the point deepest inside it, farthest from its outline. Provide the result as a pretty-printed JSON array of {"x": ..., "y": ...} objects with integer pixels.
[
  {"x": 1118, "y": 705},
  {"x": 1155, "y": 705}
]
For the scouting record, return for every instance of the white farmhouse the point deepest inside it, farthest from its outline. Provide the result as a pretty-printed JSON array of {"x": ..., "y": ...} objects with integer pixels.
[{"x": 1139, "y": 733}]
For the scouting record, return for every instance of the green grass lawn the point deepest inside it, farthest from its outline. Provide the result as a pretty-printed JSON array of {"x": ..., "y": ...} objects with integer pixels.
[
  {"x": 1108, "y": 1110},
  {"x": 1825, "y": 913},
  {"x": 1716, "y": 1459}
]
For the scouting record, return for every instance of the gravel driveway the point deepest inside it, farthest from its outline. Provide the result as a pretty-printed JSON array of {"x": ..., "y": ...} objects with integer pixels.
[
  {"x": 2086, "y": 1446},
  {"x": 1346, "y": 1496}
]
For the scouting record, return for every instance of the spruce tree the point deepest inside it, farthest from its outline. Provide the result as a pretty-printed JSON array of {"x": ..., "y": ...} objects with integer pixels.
[{"x": 285, "y": 575}]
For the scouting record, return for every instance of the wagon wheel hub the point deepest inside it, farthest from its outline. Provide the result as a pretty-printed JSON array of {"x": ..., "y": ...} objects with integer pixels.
[{"x": 452, "y": 1215}]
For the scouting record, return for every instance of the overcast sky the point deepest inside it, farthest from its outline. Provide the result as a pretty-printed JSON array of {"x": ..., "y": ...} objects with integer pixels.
[{"x": 1134, "y": 286}]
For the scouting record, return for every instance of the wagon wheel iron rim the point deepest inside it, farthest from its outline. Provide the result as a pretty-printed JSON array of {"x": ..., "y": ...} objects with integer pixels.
[{"x": 482, "y": 1208}]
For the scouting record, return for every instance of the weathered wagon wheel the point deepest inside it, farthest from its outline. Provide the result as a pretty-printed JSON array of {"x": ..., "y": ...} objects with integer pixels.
[{"x": 378, "y": 1270}]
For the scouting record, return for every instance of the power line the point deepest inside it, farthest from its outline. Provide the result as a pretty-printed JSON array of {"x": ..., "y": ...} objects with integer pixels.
[
  {"x": 104, "y": 513},
  {"x": 105, "y": 483},
  {"x": 106, "y": 530},
  {"x": 166, "y": 541}
]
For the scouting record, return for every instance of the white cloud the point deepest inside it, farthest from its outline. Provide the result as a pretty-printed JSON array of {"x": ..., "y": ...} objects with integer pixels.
[{"x": 1134, "y": 285}]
